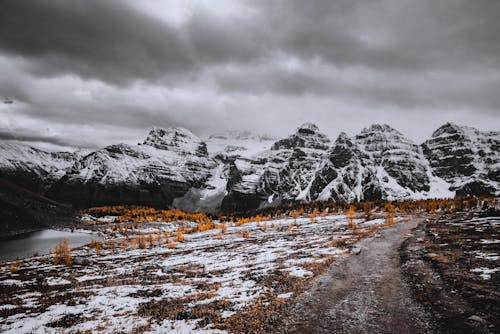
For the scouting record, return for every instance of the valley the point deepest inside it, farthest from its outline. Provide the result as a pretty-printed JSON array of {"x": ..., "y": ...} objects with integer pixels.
[{"x": 242, "y": 274}]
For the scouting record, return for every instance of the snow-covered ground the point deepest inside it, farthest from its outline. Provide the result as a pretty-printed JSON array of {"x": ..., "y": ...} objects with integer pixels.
[{"x": 199, "y": 285}]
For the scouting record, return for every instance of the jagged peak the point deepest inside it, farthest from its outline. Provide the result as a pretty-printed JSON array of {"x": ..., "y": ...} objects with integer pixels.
[
  {"x": 308, "y": 127},
  {"x": 176, "y": 139},
  {"x": 159, "y": 132},
  {"x": 343, "y": 140},
  {"x": 308, "y": 135},
  {"x": 381, "y": 137},
  {"x": 342, "y": 137},
  {"x": 452, "y": 128},
  {"x": 380, "y": 128}
]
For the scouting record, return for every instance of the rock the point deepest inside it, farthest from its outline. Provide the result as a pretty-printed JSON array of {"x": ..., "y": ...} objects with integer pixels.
[
  {"x": 356, "y": 250},
  {"x": 476, "y": 319},
  {"x": 81, "y": 261}
]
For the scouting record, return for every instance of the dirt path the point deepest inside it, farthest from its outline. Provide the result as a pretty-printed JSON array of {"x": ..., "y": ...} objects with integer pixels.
[{"x": 365, "y": 293}]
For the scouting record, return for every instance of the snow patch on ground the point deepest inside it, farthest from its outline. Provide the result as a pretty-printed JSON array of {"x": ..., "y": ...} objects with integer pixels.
[{"x": 485, "y": 273}]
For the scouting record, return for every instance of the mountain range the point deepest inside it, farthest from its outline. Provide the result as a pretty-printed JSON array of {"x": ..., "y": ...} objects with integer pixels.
[{"x": 237, "y": 171}]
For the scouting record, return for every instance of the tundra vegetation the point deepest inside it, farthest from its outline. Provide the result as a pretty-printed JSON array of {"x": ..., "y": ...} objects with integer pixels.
[{"x": 168, "y": 270}]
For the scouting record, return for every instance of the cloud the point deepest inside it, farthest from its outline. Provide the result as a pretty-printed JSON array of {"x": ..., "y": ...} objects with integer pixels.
[
  {"x": 91, "y": 38},
  {"x": 262, "y": 65},
  {"x": 29, "y": 137}
]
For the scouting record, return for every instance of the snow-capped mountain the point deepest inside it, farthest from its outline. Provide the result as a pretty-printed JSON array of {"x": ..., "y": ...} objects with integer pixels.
[
  {"x": 281, "y": 172},
  {"x": 239, "y": 170},
  {"x": 32, "y": 168},
  {"x": 466, "y": 157},
  {"x": 377, "y": 163},
  {"x": 165, "y": 166}
]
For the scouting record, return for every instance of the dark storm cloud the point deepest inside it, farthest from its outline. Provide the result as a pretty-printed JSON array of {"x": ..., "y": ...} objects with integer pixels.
[
  {"x": 97, "y": 62},
  {"x": 29, "y": 137},
  {"x": 91, "y": 38},
  {"x": 113, "y": 42},
  {"x": 424, "y": 90},
  {"x": 401, "y": 34}
]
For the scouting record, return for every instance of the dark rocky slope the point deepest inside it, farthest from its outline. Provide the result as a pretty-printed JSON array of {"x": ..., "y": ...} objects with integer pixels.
[
  {"x": 467, "y": 158},
  {"x": 25, "y": 211}
]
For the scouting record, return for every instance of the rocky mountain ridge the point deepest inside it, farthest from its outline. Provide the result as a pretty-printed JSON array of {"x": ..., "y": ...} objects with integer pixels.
[{"x": 240, "y": 171}]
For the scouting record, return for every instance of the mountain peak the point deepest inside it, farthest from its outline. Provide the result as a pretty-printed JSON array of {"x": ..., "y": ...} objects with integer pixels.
[
  {"x": 177, "y": 139},
  {"x": 448, "y": 128},
  {"x": 342, "y": 137},
  {"x": 308, "y": 128},
  {"x": 308, "y": 135},
  {"x": 158, "y": 132},
  {"x": 380, "y": 128}
]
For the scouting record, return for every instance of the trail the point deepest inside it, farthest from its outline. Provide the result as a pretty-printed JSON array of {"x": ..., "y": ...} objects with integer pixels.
[{"x": 365, "y": 293}]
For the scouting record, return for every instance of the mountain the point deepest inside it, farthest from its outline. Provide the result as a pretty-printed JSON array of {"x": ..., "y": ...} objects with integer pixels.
[
  {"x": 465, "y": 157},
  {"x": 165, "y": 166},
  {"x": 280, "y": 173},
  {"x": 32, "y": 168},
  {"x": 237, "y": 171},
  {"x": 378, "y": 163}
]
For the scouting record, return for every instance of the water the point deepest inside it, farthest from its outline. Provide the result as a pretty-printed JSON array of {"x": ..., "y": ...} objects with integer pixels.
[{"x": 41, "y": 242}]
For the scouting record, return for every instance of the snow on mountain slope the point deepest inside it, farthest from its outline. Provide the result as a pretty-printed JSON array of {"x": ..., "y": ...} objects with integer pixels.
[
  {"x": 465, "y": 157},
  {"x": 238, "y": 143},
  {"x": 209, "y": 196},
  {"x": 378, "y": 163},
  {"x": 281, "y": 173},
  {"x": 239, "y": 171},
  {"x": 33, "y": 168},
  {"x": 165, "y": 166},
  {"x": 402, "y": 163}
]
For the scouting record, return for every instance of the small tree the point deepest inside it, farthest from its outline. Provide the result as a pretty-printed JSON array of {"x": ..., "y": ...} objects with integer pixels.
[
  {"x": 62, "y": 253},
  {"x": 151, "y": 240},
  {"x": 223, "y": 229},
  {"x": 179, "y": 237},
  {"x": 350, "y": 217},
  {"x": 390, "y": 210},
  {"x": 124, "y": 244},
  {"x": 141, "y": 241},
  {"x": 14, "y": 266}
]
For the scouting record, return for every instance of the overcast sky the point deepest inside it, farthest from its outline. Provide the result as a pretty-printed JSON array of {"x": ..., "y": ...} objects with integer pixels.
[{"x": 94, "y": 72}]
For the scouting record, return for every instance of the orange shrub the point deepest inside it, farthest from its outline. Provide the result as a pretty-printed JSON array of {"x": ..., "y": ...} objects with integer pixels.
[
  {"x": 14, "y": 266},
  {"x": 179, "y": 237},
  {"x": 246, "y": 234},
  {"x": 223, "y": 228},
  {"x": 124, "y": 245},
  {"x": 141, "y": 241},
  {"x": 62, "y": 253},
  {"x": 151, "y": 240}
]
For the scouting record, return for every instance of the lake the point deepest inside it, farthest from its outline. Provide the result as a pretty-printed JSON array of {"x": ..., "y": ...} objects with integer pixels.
[{"x": 41, "y": 242}]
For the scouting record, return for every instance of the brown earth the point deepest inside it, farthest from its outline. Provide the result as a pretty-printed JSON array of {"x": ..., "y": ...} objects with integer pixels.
[
  {"x": 364, "y": 293},
  {"x": 440, "y": 260}
]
